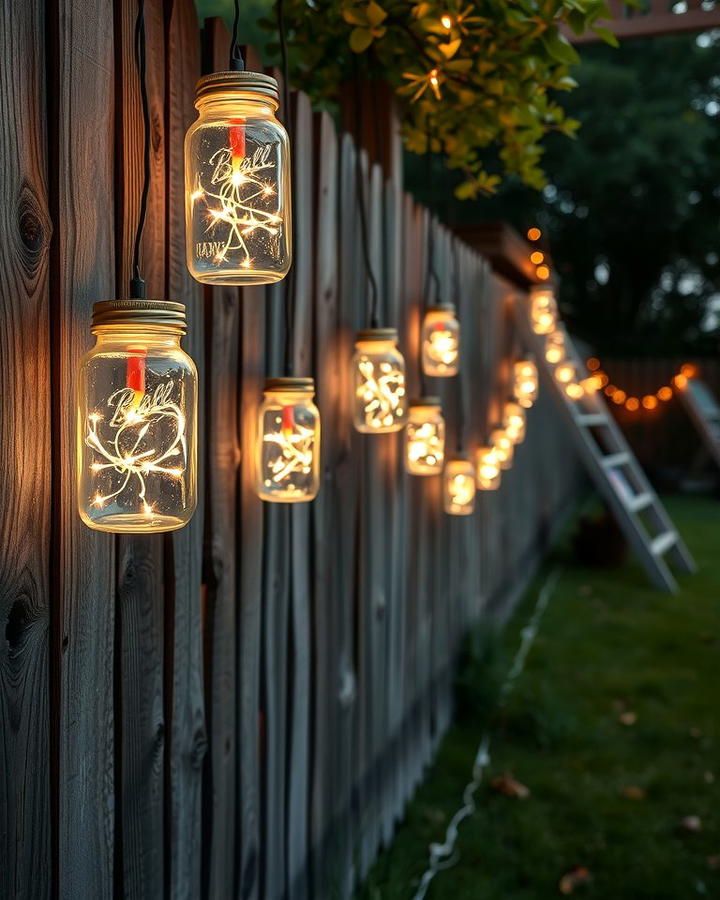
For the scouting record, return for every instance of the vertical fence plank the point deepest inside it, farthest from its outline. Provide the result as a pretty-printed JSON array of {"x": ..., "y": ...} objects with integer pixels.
[
  {"x": 83, "y": 262},
  {"x": 141, "y": 582},
  {"x": 25, "y": 455},
  {"x": 184, "y": 703}
]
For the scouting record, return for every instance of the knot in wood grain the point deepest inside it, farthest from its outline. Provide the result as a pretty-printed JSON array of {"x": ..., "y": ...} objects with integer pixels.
[
  {"x": 17, "y": 622},
  {"x": 34, "y": 229}
]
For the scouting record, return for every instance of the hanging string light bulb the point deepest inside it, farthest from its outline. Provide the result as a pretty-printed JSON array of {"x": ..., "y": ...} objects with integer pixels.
[
  {"x": 514, "y": 422},
  {"x": 425, "y": 437},
  {"x": 526, "y": 382},
  {"x": 137, "y": 398},
  {"x": 487, "y": 469},
  {"x": 378, "y": 366},
  {"x": 543, "y": 310},
  {"x": 237, "y": 179},
  {"x": 565, "y": 372}
]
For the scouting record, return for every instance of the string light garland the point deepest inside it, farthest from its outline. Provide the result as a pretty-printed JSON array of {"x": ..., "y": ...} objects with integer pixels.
[
  {"x": 425, "y": 437},
  {"x": 649, "y": 402},
  {"x": 137, "y": 396}
]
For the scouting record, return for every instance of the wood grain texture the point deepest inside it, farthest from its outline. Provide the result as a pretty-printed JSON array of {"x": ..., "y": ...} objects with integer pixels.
[
  {"x": 184, "y": 700},
  {"x": 25, "y": 233},
  {"x": 83, "y": 265},
  {"x": 141, "y": 584}
]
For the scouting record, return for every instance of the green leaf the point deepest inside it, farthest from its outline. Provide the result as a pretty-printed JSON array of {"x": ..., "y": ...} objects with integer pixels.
[
  {"x": 606, "y": 35},
  {"x": 360, "y": 39},
  {"x": 559, "y": 47}
]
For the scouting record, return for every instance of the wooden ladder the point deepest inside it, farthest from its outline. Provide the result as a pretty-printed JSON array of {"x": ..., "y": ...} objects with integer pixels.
[{"x": 614, "y": 468}]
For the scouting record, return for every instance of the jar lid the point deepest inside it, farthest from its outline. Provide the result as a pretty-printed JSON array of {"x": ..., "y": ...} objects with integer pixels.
[
  {"x": 377, "y": 334},
  {"x": 162, "y": 313},
  {"x": 243, "y": 81},
  {"x": 291, "y": 385},
  {"x": 441, "y": 307},
  {"x": 425, "y": 401}
]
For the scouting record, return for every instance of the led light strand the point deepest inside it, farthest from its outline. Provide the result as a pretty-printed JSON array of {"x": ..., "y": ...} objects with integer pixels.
[
  {"x": 647, "y": 402},
  {"x": 296, "y": 445},
  {"x": 381, "y": 393}
]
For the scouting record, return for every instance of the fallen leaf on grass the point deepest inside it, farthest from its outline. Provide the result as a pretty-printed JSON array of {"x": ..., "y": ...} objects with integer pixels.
[
  {"x": 691, "y": 823},
  {"x": 575, "y": 878},
  {"x": 507, "y": 785},
  {"x": 627, "y": 718},
  {"x": 633, "y": 792}
]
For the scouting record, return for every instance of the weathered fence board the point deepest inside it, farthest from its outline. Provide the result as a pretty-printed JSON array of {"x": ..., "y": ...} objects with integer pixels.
[
  {"x": 83, "y": 266},
  {"x": 243, "y": 708}
]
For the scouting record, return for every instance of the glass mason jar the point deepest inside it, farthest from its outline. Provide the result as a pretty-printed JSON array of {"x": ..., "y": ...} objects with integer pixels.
[
  {"x": 288, "y": 442},
  {"x": 379, "y": 382},
  {"x": 526, "y": 382},
  {"x": 487, "y": 469},
  {"x": 425, "y": 437},
  {"x": 555, "y": 347},
  {"x": 514, "y": 422},
  {"x": 565, "y": 372},
  {"x": 543, "y": 310},
  {"x": 503, "y": 447},
  {"x": 459, "y": 486},
  {"x": 440, "y": 341},
  {"x": 137, "y": 409},
  {"x": 238, "y": 220}
]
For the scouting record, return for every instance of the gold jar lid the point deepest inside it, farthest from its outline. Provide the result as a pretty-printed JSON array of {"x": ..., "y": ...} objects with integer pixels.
[
  {"x": 242, "y": 81},
  {"x": 290, "y": 385},
  {"x": 377, "y": 334},
  {"x": 159, "y": 313},
  {"x": 441, "y": 307},
  {"x": 426, "y": 401}
]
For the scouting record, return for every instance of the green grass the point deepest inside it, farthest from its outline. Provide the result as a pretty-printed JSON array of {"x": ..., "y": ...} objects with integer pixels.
[{"x": 608, "y": 642}]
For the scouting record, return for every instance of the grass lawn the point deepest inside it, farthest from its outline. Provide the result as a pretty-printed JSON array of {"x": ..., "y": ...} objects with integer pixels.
[{"x": 609, "y": 645}]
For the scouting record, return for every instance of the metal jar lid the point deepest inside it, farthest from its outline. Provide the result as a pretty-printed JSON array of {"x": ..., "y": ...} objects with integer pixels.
[
  {"x": 426, "y": 401},
  {"x": 242, "y": 82},
  {"x": 442, "y": 307},
  {"x": 290, "y": 385},
  {"x": 377, "y": 334},
  {"x": 160, "y": 313}
]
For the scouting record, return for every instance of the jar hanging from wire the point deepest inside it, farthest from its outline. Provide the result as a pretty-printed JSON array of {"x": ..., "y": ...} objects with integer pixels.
[
  {"x": 526, "y": 382},
  {"x": 459, "y": 486},
  {"x": 379, "y": 403},
  {"x": 440, "y": 341},
  {"x": 425, "y": 437},
  {"x": 503, "y": 446},
  {"x": 237, "y": 182},
  {"x": 288, "y": 442},
  {"x": 136, "y": 415},
  {"x": 487, "y": 469}
]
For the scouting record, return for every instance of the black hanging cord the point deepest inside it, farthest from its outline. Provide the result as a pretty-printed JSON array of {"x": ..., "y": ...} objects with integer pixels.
[
  {"x": 360, "y": 188},
  {"x": 137, "y": 284},
  {"x": 290, "y": 280},
  {"x": 237, "y": 63}
]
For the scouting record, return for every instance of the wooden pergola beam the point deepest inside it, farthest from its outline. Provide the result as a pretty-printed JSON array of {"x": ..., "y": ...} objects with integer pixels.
[{"x": 656, "y": 20}]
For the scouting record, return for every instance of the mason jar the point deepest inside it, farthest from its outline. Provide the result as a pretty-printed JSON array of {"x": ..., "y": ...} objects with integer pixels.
[
  {"x": 440, "y": 341},
  {"x": 459, "y": 486},
  {"x": 379, "y": 403},
  {"x": 136, "y": 415},
  {"x": 514, "y": 421},
  {"x": 425, "y": 437},
  {"x": 526, "y": 382},
  {"x": 237, "y": 182},
  {"x": 487, "y": 469},
  {"x": 503, "y": 447},
  {"x": 288, "y": 442}
]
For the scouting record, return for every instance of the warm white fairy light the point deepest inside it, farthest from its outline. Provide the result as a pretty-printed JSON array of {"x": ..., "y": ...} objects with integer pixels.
[
  {"x": 459, "y": 483},
  {"x": 543, "y": 310},
  {"x": 296, "y": 446},
  {"x": 136, "y": 419},
  {"x": 487, "y": 469},
  {"x": 239, "y": 198},
  {"x": 526, "y": 382},
  {"x": 381, "y": 392},
  {"x": 442, "y": 346},
  {"x": 514, "y": 422},
  {"x": 503, "y": 447},
  {"x": 425, "y": 438}
]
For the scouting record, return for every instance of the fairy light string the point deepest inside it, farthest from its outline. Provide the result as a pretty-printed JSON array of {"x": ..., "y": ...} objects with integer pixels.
[{"x": 648, "y": 402}]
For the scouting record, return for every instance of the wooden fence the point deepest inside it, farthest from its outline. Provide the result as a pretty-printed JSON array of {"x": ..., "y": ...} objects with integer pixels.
[{"x": 241, "y": 708}]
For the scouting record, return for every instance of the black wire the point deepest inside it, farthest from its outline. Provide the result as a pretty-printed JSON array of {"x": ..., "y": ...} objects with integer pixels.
[
  {"x": 432, "y": 275},
  {"x": 360, "y": 188},
  {"x": 290, "y": 280},
  {"x": 237, "y": 63},
  {"x": 137, "y": 284}
]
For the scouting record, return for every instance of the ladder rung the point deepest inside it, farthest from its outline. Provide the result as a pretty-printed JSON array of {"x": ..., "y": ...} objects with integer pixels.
[
  {"x": 640, "y": 501},
  {"x": 663, "y": 542},
  {"x": 590, "y": 419},
  {"x": 615, "y": 460}
]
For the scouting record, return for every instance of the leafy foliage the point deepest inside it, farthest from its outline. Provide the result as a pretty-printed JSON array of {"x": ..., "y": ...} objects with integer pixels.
[{"x": 477, "y": 81}]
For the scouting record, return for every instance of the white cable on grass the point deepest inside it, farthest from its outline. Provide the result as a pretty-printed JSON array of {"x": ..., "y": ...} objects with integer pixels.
[{"x": 444, "y": 856}]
